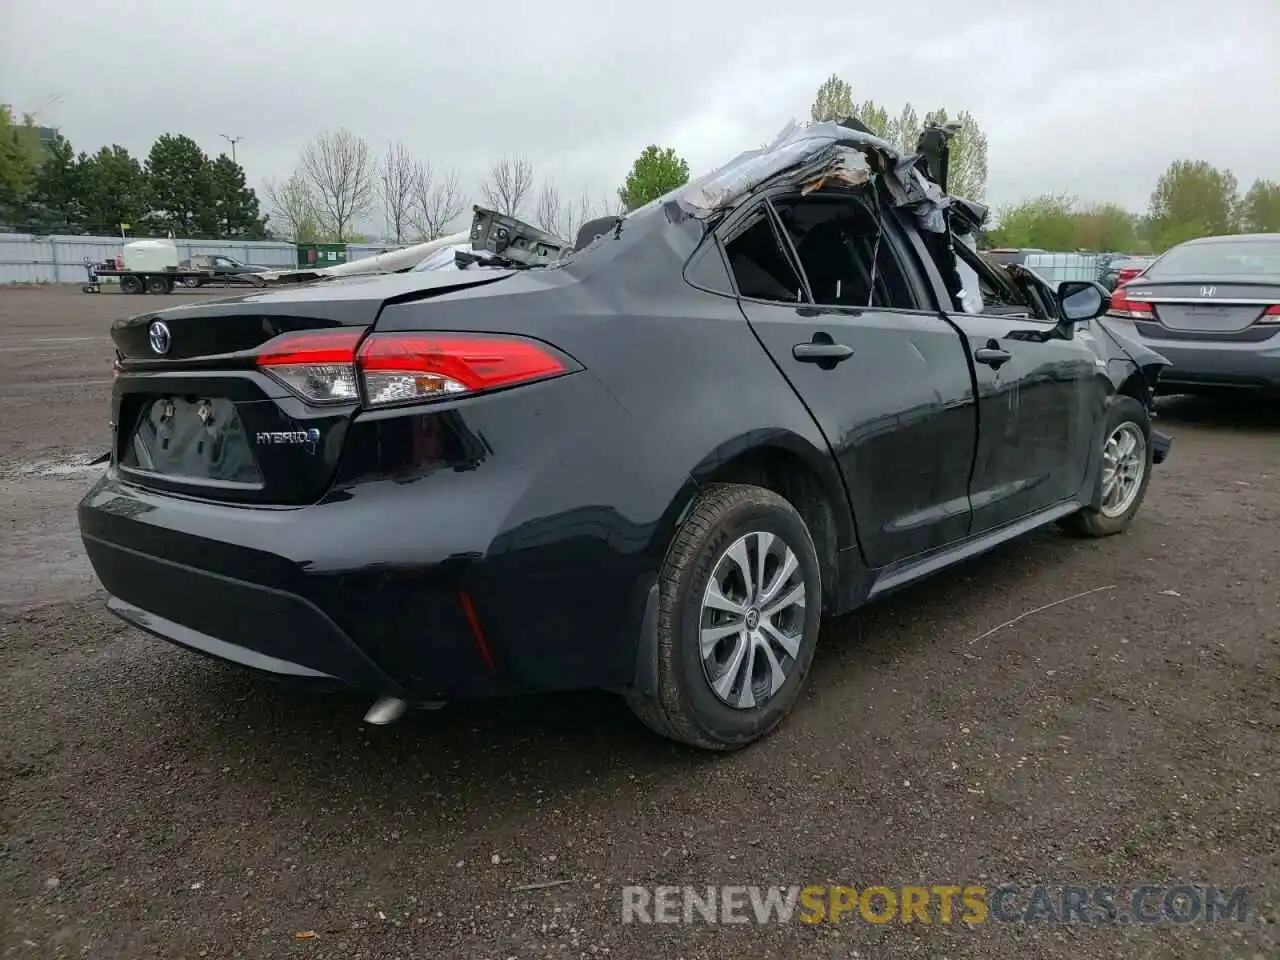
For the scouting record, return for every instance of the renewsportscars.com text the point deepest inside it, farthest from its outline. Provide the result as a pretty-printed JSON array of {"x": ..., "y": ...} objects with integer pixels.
[{"x": 937, "y": 904}]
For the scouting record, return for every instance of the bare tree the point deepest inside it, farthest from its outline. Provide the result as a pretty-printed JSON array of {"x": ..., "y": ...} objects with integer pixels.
[
  {"x": 341, "y": 174},
  {"x": 436, "y": 201},
  {"x": 580, "y": 213},
  {"x": 587, "y": 208},
  {"x": 509, "y": 183},
  {"x": 291, "y": 204},
  {"x": 552, "y": 214},
  {"x": 397, "y": 176}
]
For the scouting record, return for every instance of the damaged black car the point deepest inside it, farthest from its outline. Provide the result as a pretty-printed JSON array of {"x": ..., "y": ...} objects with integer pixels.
[{"x": 650, "y": 462}]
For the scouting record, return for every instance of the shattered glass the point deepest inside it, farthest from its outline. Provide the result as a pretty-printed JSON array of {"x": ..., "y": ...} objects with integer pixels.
[{"x": 970, "y": 295}]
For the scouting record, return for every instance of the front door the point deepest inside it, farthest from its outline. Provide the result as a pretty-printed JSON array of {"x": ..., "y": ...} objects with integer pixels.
[{"x": 1041, "y": 398}]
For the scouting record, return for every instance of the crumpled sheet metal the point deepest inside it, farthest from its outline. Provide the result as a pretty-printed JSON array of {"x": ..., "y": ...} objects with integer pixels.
[{"x": 823, "y": 152}]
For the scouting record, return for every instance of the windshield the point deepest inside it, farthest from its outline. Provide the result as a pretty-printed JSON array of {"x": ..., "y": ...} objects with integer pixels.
[{"x": 1241, "y": 257}]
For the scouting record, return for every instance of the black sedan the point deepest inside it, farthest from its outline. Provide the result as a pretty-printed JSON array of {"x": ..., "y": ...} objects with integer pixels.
[
  {"x": 651, "y": 466},
  {"x": 220, "y": 269}
]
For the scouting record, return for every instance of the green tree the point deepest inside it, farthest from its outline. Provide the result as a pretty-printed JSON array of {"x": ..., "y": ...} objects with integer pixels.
[
  {"x": 1046, "y": 221},
  {"x": 112, "y": 190},
  {"x": 1192, "y": 199},
  {"x": 655, "y": 172},
  {"x": 233, "y": 210},
  {"x": 904, "y": 130},
  {"x": 19, "y": 161},
  {"x": 967, "y": 171},
  {"x": 874, "y": 117},
  {"x": 1105, "y": 227},
  {"x": 834, "y": 100},
  {"x": 1260, "y": 208},
  {"x": 179, "y": 188},
  {"x": 57, "y": 187}
]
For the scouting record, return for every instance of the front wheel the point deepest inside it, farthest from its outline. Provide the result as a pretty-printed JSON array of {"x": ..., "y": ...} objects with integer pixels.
[
  {"x": 740, "y": 601},
  {"x": 1126, "y": 471}
]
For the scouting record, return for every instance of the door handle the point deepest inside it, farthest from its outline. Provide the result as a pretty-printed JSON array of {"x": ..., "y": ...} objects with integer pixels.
[
  {"x": 828, "y": 353},
  {"x": 993, "y": 357}
]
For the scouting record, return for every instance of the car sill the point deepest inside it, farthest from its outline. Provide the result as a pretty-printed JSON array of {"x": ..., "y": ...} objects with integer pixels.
[{"x": 908, "y": 571}]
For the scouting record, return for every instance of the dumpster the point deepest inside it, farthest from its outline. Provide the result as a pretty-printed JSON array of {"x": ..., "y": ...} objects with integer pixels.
[{"x": 318, "y": 255}]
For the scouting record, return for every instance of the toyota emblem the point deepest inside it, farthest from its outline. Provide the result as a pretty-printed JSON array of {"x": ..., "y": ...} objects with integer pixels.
[{"x": 160, "y": 337}]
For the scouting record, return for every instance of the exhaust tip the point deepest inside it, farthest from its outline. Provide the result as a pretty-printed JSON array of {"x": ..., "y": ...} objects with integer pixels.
[{"x": 386, "y": 710}]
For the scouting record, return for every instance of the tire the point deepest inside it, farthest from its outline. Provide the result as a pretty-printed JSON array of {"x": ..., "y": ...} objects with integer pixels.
[
  {"x": 159, "y": 285},
  {"x": 191, "y": 282},
  {"x": 1128, "y": 419},
  {"x": 687, "y": 708},
  {"x": 130, "y": 283}
]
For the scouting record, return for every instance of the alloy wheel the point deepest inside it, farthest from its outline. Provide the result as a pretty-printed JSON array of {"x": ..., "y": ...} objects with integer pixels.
[
  {"x": 752, "y": 620},
  {"x": 1124, "y": 463}
]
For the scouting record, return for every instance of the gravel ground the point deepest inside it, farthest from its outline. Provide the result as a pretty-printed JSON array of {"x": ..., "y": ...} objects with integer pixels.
[{"x": 156, "y": 804}]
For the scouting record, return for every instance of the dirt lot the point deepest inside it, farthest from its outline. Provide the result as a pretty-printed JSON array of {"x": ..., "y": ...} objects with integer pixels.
[{"x": 155, "y": 804}]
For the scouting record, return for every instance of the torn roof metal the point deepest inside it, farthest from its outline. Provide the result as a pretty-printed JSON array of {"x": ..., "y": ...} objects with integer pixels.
[{"x": 819, "y": 153}]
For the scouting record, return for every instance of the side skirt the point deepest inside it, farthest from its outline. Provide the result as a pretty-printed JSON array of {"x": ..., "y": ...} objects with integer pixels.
[{"x": 898, "y": 575}]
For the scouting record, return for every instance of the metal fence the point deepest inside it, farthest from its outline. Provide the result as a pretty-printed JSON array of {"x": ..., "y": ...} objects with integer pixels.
[
  {"x": 1057, "y": 267},
  {"x": 360, "y": 251},
  {"x": 41, "y": 259}
]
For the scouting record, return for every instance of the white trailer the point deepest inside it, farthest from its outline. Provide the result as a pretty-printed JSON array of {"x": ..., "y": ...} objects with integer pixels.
[{"x": 147, "y": 266}]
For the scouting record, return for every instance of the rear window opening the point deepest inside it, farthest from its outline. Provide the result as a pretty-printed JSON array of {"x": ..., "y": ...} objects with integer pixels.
[
  {"x": 760, "y": 265},
  {"x": 842, "y": 251},
  {"x": 1220, "y": 258}
]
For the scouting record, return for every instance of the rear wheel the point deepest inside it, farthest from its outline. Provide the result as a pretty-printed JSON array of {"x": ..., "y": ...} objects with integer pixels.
[
  {"x": 159, "y": 285},
  {"x": 1126, "y": 471},
  {"x": 191, "y": 281},
  {"x": 740, "y": 600},
  {"x": 130, "y": 283}
]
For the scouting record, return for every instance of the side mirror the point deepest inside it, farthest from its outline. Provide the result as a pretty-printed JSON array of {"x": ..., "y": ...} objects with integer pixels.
[{"x": 1080, "y": 300}]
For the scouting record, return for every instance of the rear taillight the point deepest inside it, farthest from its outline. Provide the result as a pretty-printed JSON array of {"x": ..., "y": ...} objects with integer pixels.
[
  {"x": 1126, "y": 274},
  {"x": 1122, "y": 306},
  {"x": 318, "y": 366},
  {"x": 332, "y": 366},
  {"x": 402, "y": 367},
  {"x": 1270, "y": 315}
]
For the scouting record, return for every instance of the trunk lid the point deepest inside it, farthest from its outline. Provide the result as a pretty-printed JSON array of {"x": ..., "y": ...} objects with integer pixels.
[
  {"x": 195, "y": 415},
  {"x": 1213, "y": 306}
]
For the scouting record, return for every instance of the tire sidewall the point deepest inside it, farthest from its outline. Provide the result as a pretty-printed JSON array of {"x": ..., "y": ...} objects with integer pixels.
[{"x": 716, "y": 718}]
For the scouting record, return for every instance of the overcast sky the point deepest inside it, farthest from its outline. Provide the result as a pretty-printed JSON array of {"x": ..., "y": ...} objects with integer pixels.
[{"x": 1090, "y": 98}]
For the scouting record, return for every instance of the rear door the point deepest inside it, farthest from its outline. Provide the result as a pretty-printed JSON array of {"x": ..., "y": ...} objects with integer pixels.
[
  {"x": 887, "y": 382},
  {"x": 1041, "y": 399}
]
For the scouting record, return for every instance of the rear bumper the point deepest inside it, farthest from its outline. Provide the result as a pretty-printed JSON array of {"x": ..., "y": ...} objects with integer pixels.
[
  {"x": 265, "y": 630},
  {"x": 1216, "y": 363},
  {"x": 462, "y": 553}
]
